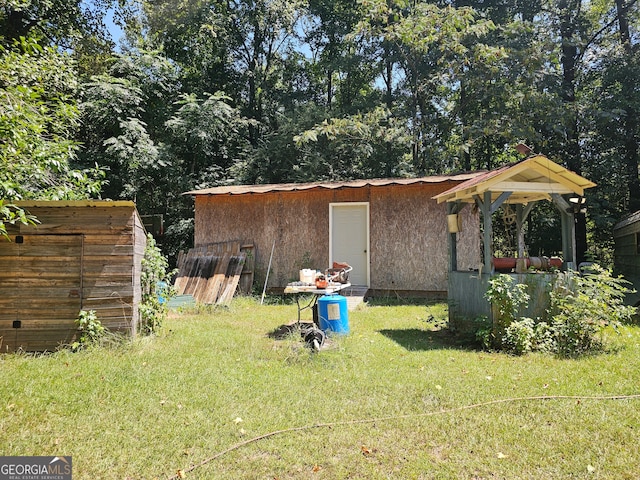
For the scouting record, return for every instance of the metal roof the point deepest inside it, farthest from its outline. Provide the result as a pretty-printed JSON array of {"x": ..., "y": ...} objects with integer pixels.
[
  {"x": 627, "y": 220},
  {"x": 295, "y": 187},
  {"x": 534, "y": 178}
]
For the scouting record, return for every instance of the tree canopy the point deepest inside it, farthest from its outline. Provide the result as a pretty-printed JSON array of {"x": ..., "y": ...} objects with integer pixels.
[{"x": 209, "y": 92}]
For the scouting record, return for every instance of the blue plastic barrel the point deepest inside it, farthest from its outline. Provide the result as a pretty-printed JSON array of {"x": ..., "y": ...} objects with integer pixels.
[{"x": 332, "y": 314}]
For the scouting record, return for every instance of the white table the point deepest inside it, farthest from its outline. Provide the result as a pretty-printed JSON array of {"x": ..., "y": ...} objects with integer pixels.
[{"x": 315, "y": 292}]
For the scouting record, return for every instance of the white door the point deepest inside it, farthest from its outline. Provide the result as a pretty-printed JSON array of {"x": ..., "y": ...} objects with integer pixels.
[{"x": 349, "y": 236}]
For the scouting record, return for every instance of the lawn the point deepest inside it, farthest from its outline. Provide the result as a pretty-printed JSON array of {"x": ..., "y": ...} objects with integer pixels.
[{"x": 396, "y": 398}]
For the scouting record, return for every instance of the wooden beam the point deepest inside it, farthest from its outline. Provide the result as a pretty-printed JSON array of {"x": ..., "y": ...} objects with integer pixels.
[
  {"x": 452, "y": 208},
  {"x": 498, "y": 201},
  {"x": 532, "y": 187},
  {"x": 568, "y": 230},
  {"x": 488, "y": 232}
]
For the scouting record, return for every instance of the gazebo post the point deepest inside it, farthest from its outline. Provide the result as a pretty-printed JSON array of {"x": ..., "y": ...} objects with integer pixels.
[
  {"x": 568, "y": 224},
  {"x": 522, "y": 212},
  {"x": 488, "y": 231},
  {"x": 452, "y": 208}
]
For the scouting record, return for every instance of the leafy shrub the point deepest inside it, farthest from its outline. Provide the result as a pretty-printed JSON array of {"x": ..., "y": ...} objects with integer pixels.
[
  {"x": 519, "y": 336},
  {"x": 544, "y": 338},
  {"x": 582, "y": 306},
  {"x": 484, "y": 332},
  {"x": 90, "y": 330},
  {"x": 506, "y": 298},
  {"x": 157, "y": 289}
]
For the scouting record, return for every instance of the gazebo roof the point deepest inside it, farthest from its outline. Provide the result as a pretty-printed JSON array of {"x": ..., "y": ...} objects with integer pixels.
[{"x": 534, "y": 178}]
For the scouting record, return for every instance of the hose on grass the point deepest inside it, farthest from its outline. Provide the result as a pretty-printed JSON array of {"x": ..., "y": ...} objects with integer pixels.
[{"x": 182, "y": 473}]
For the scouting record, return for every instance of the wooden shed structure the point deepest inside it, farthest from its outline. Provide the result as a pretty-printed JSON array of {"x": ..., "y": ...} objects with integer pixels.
[
  {"x": 626, "y": 234},
  {"x": 82, "y": 255},
  {"x": 390, "y": 231},
  {"x": 522, "y": 185}
]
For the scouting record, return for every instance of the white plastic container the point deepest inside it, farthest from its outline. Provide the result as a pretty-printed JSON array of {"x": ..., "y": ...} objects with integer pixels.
[{"x": 307, "y": 275}]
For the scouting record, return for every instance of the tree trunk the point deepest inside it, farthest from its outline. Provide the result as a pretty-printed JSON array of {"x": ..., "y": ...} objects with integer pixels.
[
  {"x": 631, "y": 160},
  {"x": 569, "y": 55}
]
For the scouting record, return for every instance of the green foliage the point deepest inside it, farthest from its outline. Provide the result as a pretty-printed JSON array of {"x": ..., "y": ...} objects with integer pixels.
[
  {"x": 156, "y": 286},
  {"x": 484, "y": 332},
  {"x": 582, "y": 306},
  {"x": 38, "y": 116},
  {"x": 506, "y": 298},
  {"x": 11, "y": 214},
  {"x": 90, "y": 329},
  {"x": 519, "y": 336}
]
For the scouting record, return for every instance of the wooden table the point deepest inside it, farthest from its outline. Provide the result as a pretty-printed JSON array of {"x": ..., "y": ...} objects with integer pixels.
[{"x": 299, "y": 290}]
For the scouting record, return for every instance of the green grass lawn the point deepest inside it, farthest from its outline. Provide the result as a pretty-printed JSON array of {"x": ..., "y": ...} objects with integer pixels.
[{"x": 393, "y": 392}]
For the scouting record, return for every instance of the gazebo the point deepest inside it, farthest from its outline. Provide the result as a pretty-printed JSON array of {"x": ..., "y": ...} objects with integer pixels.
[{"x": 520, "y": 185}]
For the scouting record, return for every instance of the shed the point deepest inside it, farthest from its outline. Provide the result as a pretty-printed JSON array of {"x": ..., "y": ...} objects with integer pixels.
[
  {"x": 82, "y": 255},
  {"x": 390, "y": 231},
  {"x": 522, "y": 185},
  {"x": 626, "y": 234}
]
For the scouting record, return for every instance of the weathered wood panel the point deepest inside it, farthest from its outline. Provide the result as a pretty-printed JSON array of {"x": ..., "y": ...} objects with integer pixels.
[
  {"x": 92, "y": 261},
  {"x": 627, "y": 255},
  {"x": 467, "y": 296},
  {"x": 39, "y": 315}
]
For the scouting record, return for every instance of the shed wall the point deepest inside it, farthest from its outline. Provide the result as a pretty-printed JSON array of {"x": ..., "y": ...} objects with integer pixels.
[
  {"x": 77, "y": 258},
  {"x": 408, "y": 237},
  {"x": 627, "y": 255}
]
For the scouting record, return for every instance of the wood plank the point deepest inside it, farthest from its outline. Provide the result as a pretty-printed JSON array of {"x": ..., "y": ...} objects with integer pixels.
[
  {"x": 202, "y": 275},
  {"x": 232, "y": 278},
  {"x": 208, "y": 270},
  {"x": 247, "y": 275},
  {"x": 193, "y": 275},
  {"x": 214, "y": 283},
  {"x": 190, "y": 265}
]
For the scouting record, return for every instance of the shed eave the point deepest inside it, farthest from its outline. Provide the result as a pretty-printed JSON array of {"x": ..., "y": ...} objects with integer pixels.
[
  {"x": 72, "y": 203},
  {"x": 297, "y": 187}
]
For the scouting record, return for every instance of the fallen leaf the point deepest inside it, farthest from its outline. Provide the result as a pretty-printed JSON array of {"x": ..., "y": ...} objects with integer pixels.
[
  {"x": 242, "y": 431},
  {"x": 238, "y": 420},
  {"x": 317, "y": 468},
  {"x": 365, "y": 450},
  {"x": 181, "y": 474}
]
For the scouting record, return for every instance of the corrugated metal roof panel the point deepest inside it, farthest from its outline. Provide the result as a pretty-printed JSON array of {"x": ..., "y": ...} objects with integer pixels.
[
  {"x": 293, "y": 187},
  {"x": 628, "y": 220}
]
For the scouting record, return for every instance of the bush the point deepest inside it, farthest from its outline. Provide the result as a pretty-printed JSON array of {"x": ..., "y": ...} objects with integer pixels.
[
  {"x": 519, "y": 336},
  {"x": 506, "y": 298},
  {"x": 582, "y": 306},
  {"x": 90, "y": 330},
  {"x": 156, "y": 286}
]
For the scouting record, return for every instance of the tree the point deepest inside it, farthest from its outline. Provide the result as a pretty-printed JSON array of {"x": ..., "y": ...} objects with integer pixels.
[{"x": 38, "y": 116}]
